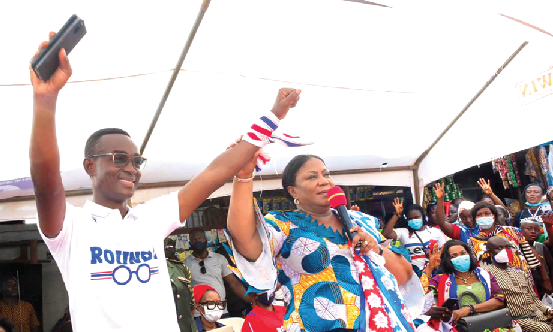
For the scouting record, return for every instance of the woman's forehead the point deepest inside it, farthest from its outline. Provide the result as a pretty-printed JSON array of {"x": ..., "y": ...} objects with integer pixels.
[
  {"x": 211, "y": 296},
  {"x": 312, "y": 165}
]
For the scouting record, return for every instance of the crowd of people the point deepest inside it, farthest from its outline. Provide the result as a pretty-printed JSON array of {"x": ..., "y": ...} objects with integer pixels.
[{"x": 302, "y": 270}]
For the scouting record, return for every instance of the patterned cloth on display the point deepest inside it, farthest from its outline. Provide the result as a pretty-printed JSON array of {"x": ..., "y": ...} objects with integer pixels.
[{"x": 323, "y": 281}]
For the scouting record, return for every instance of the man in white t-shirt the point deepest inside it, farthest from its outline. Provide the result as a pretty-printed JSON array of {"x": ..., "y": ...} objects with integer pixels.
[
  {"x": 417, "y": 236},
  {"x": 111, "y": 257}
]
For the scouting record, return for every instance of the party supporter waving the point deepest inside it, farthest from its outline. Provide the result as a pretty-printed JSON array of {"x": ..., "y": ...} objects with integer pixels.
[
  {"x": 417, "y": 236},
  {"x": 111, "y": 256},
  {"x": 488, "y": 192},
  {"x": 486, "y": 217},
  {"x": 329, "y": 288}
]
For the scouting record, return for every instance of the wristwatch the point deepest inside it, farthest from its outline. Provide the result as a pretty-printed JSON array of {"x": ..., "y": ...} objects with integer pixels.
[{"x": 472, "y": 310}]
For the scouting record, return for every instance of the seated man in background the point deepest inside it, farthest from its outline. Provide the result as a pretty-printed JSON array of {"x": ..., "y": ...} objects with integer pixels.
[
  {"x": 19, "y": 313},
  {"x": 524, "y": 305},
  {"x": 211, "y": 268}
]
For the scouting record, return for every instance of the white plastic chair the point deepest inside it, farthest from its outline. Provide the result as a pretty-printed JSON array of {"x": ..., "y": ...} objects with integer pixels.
[{"x": 235, "y": 322}]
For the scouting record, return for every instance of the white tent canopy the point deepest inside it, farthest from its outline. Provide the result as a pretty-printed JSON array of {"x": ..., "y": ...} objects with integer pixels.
[{"x": 379, "y": 83}]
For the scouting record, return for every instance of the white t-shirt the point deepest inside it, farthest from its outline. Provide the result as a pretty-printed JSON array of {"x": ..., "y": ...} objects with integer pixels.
[
  {"x": 414, "y": 245},
  {"x": 114, "y": 268}
]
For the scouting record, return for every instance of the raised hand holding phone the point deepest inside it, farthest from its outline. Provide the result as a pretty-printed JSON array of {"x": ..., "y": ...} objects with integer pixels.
[{"x": 57, "y": 80}]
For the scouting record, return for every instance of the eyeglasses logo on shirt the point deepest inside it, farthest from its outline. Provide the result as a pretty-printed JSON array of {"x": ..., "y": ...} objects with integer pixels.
[{"x": 123, "y": 274}]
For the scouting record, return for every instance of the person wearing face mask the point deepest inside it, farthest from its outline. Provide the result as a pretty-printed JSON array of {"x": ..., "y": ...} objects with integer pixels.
[
  {"x": 525, "y": 307},
  {"x": 533, "y": 194},
  {"x": 486, "y": 215},
  {"x": 211, "y": 268},
  {"x": 209, "y": 306},
  {"x": 267, "y": 314},
  {"x": 417, "y": 236},
  {"x": 477, "y": 290}
]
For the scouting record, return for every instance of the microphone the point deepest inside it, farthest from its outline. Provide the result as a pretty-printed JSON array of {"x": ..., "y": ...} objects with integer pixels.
[{"x": 337, "y": 200}]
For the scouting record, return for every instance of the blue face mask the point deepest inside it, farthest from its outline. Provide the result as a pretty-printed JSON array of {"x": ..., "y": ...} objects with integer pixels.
[
  {"x": 415, "y": 224},
  {"x": 533, "y": 205},
  {"x": 461, "y": 263},
  {"x": 485, "y": 222}
]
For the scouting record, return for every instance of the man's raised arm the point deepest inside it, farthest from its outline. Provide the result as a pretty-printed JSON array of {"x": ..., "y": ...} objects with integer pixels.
[{"x": 43, "y": 151}]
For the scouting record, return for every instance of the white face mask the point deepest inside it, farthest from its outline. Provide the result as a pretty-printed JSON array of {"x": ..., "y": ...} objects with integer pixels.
[
  {"x": 279, "y": 297},
  {"x": 212, "y": 315}
]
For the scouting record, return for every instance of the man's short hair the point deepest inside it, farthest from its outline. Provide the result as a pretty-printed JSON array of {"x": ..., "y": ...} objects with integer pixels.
[
  {"x": 91, "y": 145},
  {"x": 197, "y": 230}
]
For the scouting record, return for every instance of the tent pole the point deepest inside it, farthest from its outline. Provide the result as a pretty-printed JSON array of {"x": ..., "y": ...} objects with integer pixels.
[
  {"x": 416, "y": 183},
  {"x": 191, "y": 35},
  {"x": 427, "y": 151}
]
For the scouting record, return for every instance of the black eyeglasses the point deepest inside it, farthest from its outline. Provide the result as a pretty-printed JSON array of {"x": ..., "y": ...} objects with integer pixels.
[
  {"x": 121, "y": 159},
  {"x": 202, "y": 268},
  {"x": 211, "y": 305}
]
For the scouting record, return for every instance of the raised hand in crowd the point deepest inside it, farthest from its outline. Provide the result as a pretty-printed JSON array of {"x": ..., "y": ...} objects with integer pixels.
[
  {"x": 439, "y": 190},
  {"x": 355, "y": 207},
  {"x": 445, "y": 226},
  {"x": 434, "y": 260},
  {"x": 486, "y": 187},
  {"x": 487, "y": 190},
  {"x": 388, "y": 231},
  {"x": 398, "y": 206}
]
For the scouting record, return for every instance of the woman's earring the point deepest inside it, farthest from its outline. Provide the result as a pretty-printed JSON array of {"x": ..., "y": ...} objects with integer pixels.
[{"x": 296, "y": 201}]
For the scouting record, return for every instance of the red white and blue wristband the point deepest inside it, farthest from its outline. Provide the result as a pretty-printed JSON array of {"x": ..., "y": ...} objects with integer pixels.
[{"x": 262, "y": 132}]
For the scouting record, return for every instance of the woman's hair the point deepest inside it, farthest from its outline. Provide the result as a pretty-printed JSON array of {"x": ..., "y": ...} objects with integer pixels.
[
  {"x": 6, "y": 325},
  {"x": 481, "y": 205},
  {"x": 291, "y": 170},
  {"x": 447, "y": 265},
  {"x": 429, "y": 208},
  {"x": 482, "y": 196},
  {"x": 415, "y": 207},
  {"x": 533, "y": 184}
]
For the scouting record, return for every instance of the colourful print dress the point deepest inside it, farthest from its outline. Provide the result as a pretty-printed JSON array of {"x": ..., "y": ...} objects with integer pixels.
[{"x": 319, "y": 276}]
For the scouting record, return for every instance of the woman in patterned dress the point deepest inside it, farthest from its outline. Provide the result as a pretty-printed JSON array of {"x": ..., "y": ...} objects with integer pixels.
[{"x": 327, "y": 287}]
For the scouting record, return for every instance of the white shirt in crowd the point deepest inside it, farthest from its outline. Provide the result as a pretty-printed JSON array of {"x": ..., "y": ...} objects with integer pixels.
[
  {"x": 114, "y": 268},
  {"x": 216, "y": 268},
  {"x": 414, "y": 245}
]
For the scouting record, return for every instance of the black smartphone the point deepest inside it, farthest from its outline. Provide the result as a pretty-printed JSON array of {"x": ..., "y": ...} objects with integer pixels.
[
  {"x": 450, "y": 304},
  {"x": 47, "y": 61}
]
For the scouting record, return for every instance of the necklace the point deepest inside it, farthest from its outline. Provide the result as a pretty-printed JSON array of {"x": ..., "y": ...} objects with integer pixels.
[
  {"x": 534, "y": 214},
  {"x": 466, "y": 280}
]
